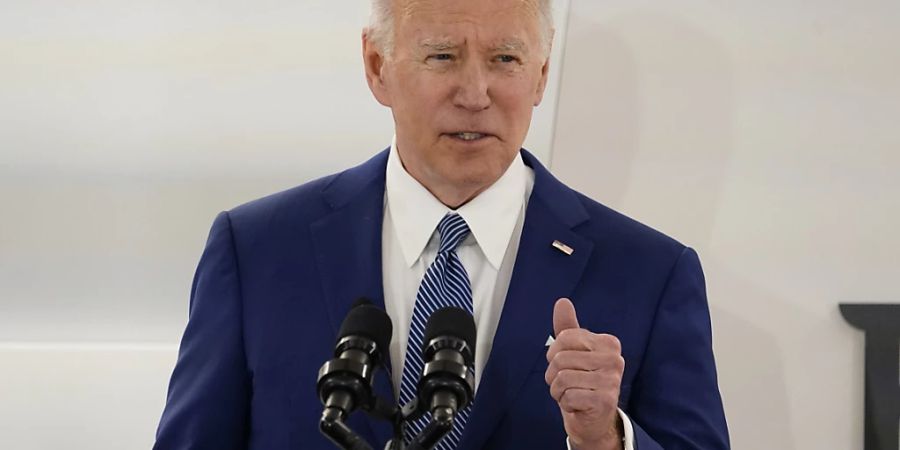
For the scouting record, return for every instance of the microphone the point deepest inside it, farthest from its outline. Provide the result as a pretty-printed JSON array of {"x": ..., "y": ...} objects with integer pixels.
[
  {"x": 345, "y": 382},
  {"x": 447, "y": 384}
]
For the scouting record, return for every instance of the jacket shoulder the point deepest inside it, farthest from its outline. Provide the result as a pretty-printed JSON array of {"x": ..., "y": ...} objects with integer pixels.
[
  {"x": 311, "y": 200},
  {"x": 619, "y": 231},
  {"x": 299, "y": 202}
]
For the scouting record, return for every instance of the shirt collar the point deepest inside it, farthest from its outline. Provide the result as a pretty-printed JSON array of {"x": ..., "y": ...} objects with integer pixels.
[{"x": 491, "y": 216}]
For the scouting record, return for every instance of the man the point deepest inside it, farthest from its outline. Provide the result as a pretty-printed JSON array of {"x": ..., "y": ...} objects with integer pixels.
[{"x": 455, "y": 202}]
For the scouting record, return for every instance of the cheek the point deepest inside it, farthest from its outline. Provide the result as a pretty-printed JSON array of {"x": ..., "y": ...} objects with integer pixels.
[
  {"x": 517, "y": 111},
  {"x": 516, "y": 98},
  {"x": 425, "y": 108},
  {"x": 414, "y": 89}
]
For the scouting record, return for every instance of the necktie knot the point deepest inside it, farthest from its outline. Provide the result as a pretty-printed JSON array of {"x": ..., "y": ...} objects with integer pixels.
[{"x": 453, "y": 230}]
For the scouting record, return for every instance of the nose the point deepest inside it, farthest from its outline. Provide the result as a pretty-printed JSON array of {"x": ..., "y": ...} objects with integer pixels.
[{"x": 473, "y": 91}]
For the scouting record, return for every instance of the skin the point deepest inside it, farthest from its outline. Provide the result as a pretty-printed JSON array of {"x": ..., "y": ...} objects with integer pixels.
[
  {"x": 460, "y": 66},
  {"x": 585, "y": 374},
  {"x": 479, "y": 66}
]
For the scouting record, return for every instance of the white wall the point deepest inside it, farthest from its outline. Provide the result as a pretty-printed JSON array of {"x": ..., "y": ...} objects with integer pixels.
[
  {"x": 765, "y": 135},
  {"x": 82, "y": 396},
  {"x": 133, "y": 123},
  {"x": 125, "y": 127}
]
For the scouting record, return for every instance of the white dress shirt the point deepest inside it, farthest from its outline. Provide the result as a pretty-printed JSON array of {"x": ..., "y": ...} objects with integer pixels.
[{"x": 410, "y": 243}]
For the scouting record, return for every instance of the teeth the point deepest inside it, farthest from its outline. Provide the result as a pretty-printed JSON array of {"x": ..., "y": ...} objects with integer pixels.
[{"x": 469, "y": 136}]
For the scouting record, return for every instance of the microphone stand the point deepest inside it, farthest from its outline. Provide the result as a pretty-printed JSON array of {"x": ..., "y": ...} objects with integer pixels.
[
  {"x": 333, "y": 427},
  {"x": 398, "y": 420},
  {"x": 443, "y": 413},
  {"x": 441, "y": 423},
  {"x": 447, "y": 382}
]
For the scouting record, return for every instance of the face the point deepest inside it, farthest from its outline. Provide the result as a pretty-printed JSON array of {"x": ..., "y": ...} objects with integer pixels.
[{"x": 462, "y": 81}]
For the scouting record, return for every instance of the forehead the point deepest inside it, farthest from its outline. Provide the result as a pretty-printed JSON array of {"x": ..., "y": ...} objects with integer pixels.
[{"x": 491, "y": 21}]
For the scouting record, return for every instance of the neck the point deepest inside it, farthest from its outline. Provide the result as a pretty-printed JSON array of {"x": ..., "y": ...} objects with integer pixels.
[
  {"x": 451, "y": 193},
  {"x": 452, "y": 197}
]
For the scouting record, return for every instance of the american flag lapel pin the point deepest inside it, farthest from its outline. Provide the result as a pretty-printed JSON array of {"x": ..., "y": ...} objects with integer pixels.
[{"x": 563, "y": 248}]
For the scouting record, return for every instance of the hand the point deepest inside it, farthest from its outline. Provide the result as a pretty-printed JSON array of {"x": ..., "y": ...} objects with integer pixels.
[{"x": 584, "y": 375}]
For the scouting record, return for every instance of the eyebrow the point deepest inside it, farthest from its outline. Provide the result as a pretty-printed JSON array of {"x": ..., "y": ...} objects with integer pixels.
[
  {"x": 510, "y": 45},
  {"x": 438, "y": 45}
]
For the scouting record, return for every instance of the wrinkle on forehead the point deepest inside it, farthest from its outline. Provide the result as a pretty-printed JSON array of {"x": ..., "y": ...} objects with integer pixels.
[
  {"x": 476, "y": 13},
  {"x": 404, "y": 9}
]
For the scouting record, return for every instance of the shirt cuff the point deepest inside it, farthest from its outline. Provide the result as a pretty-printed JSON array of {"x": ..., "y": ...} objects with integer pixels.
[{"x": 628, "y": 441}]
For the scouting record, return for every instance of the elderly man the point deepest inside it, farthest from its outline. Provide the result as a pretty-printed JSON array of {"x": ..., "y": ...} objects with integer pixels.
[{"x": 453, "y": 200}]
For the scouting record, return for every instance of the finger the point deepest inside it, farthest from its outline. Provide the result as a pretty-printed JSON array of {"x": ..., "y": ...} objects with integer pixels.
[
  {"x": 572, "y": 360},
  {"x": 564, "y": 316},
  {"x": 581, "y": 379},
  {"x": 579, "y": 360},
  {"x": 571, "y": 339},
  {"x": 581, "y": 339},
  {"x": 582, "y": 400}
]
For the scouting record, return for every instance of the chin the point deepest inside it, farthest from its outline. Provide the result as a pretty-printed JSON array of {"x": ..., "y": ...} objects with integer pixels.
[{"x": 475, "y": 175}]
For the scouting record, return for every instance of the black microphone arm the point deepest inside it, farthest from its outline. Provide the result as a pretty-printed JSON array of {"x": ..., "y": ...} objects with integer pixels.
[
  {"x": 447, "y": 384},
  {"x": 332, "y": 426},
  {"x": 345, "y": 382}
]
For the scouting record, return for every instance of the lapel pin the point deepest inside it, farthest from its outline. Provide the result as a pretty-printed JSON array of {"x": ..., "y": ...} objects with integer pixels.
[{"x": 563, "y": 248}]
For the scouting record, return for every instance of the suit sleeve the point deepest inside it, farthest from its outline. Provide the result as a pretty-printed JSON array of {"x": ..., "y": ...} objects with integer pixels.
[
  {"x": 208, "y": 397},
  {"x": 675, "y": 401}
]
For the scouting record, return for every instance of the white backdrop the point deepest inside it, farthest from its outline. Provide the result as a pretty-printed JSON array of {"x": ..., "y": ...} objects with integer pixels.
[
  {"x": 763, "y": 134},
  {"x": 125, "y": 127}
]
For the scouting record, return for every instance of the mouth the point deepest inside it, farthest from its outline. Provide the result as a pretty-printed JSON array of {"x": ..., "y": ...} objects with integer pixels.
[{"x": 469, "y": 136}]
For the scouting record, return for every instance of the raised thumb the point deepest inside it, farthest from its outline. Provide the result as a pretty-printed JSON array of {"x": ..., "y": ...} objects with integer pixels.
[{"x": 564, "y": 316}]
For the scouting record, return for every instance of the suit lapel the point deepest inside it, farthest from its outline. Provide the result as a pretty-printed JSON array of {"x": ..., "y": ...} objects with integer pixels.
[
  {"x": 541, "y": 275},
  {"x": 348, "y": 254}
]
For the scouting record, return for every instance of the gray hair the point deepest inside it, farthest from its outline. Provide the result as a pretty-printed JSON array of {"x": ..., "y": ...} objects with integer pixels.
[{"x": 381, "y": 25}]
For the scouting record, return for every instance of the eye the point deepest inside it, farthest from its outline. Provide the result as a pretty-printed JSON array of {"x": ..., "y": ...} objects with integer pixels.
[
  {"x": 506, "y": 58},
  {"x": 441, "y": 57}
]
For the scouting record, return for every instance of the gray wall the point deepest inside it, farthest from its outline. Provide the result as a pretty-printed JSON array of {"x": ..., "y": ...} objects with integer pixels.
[{"x": 761, "y": 134}]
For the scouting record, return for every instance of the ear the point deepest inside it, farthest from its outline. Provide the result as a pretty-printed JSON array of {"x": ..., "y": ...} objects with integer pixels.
[
  {"x": 542, "y": 84},
  {"x": 545, "y": 74},
  {"x": 374, "y": 62}
]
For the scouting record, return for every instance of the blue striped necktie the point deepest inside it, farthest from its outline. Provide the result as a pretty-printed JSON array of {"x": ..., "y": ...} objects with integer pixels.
[{"x": 445, "y": 283}]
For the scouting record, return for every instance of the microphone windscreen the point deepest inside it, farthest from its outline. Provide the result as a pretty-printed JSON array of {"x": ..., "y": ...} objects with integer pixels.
[
  {"x": 368, "y": 320},
  {"x": 451, "y": 321}
]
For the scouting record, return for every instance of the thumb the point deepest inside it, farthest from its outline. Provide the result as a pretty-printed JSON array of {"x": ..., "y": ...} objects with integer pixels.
[{"x": 564, "y": 316}]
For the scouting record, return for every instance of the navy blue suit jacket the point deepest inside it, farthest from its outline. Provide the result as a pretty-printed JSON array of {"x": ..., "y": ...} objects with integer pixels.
[{"x": 279, "y": 274}]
